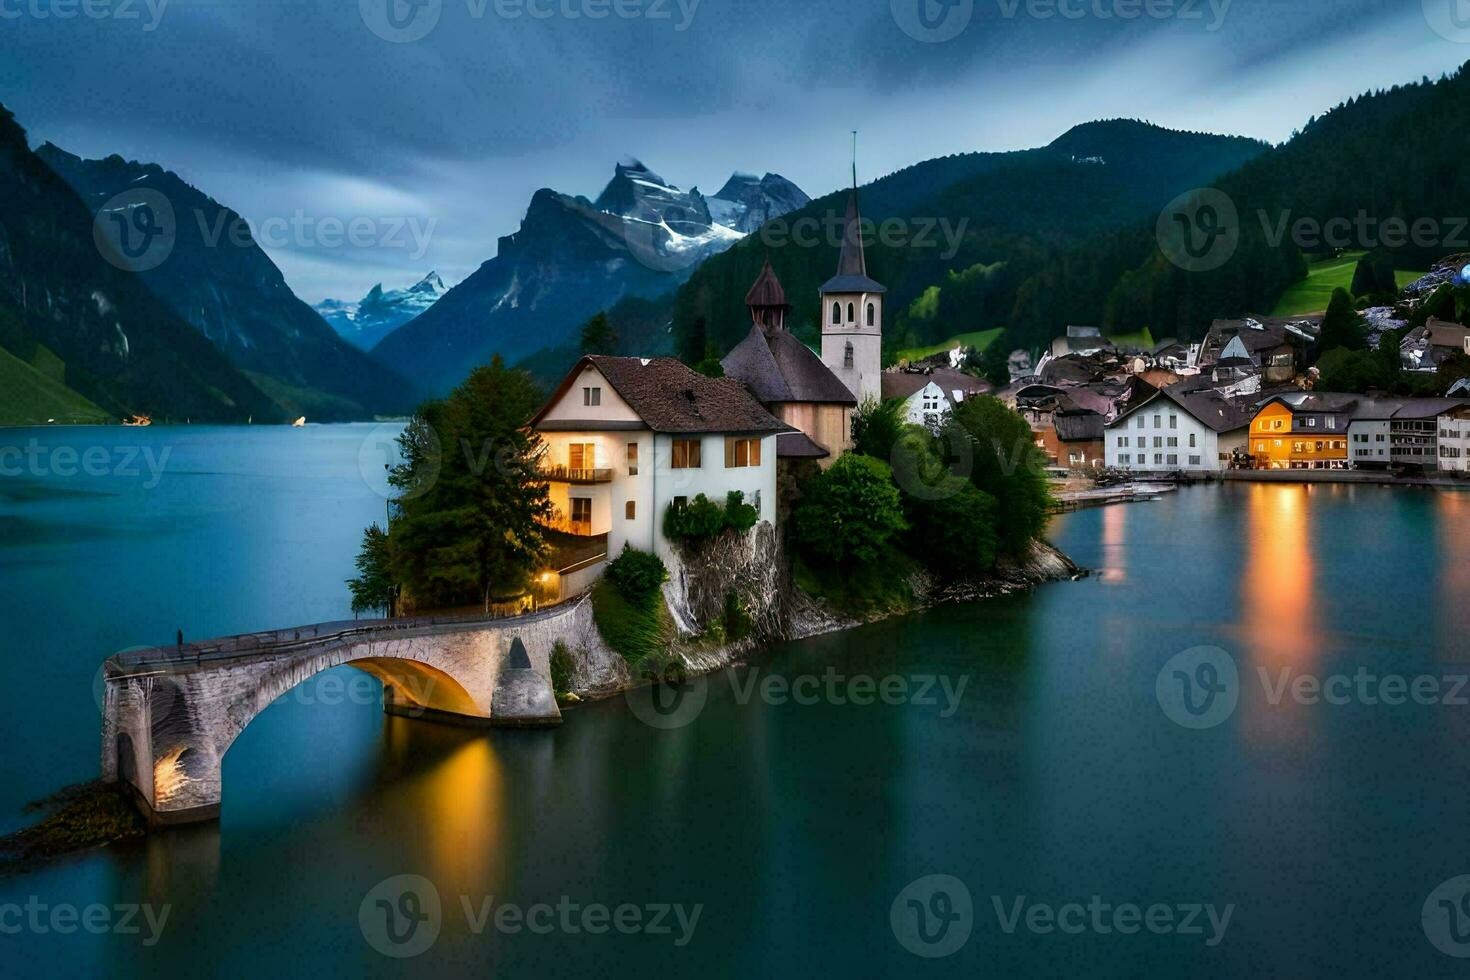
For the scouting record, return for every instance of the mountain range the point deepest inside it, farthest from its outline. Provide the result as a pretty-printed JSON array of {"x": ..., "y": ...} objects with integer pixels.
[
  {"x": 85, "y": 336},
  {"x": 573, "y": 257},
  {"x": 364, "y": 323},
  {"x": 971, "y": 229},
  {"x": 219, "y": 280}
]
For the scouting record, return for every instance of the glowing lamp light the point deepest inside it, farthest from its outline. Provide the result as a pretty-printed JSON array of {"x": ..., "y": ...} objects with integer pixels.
[{"x": 1465, "y": 274}]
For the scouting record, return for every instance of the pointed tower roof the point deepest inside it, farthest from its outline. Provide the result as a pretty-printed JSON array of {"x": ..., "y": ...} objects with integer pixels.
[
  {"x": 852, "y": 263},
  {"x": 766, "y": 291}
]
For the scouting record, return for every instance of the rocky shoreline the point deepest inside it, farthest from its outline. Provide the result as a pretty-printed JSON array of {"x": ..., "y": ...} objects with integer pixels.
[{"x": 753, "y": 568}]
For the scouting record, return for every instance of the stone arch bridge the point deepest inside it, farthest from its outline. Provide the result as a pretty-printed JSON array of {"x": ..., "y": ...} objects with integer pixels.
[{"x": 171, "y": 713}]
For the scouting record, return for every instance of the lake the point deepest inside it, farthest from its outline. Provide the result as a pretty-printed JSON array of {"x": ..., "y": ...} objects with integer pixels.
[{"x": 1215, "y": 724}]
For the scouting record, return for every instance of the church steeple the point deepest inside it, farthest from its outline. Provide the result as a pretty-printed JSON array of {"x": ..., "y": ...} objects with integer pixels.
[
  {"x": 852, "y": 310},
  {"x": 767, "y": 300}
]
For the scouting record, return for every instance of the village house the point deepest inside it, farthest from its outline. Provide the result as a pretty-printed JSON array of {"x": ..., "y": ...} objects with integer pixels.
[
  {"x": 790, "y": 380},
  {"x": 1454, "y": 439},
  {"x": 1425, "y": 348},
  {"x": 931, "y": 392},
  {"x": 1075, "y": 439},
  {"x": 1399, "y": 432},
  {"x": 1174, "y": 430},
  {"x": 627, "y": 438},
  {"x": 1277, "y": 349},
  {"x": 1302, "y": 431}
]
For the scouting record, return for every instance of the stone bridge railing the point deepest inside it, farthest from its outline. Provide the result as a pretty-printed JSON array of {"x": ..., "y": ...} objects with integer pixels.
[{"x": 171, "y": 713}]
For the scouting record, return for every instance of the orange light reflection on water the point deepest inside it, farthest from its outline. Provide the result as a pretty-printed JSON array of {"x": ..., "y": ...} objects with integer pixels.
[{"x": 1114, "y": 542}]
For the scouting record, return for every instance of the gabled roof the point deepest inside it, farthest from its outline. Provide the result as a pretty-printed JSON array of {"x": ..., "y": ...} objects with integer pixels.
[
  {"x": 852, "y": 264},
  {"x": 777, "y": 367},
  {"x": 1203, "y": 405},
  {"x": 671, "y": 397}
]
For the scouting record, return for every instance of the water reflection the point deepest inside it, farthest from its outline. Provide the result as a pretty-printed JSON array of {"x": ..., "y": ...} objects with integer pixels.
[
  {"x": 1452, "y": 574},
  {"x": 1115, "y": 544}
]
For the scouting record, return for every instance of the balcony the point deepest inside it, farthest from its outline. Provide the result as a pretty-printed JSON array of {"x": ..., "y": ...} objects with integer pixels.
[{"x": 580, "y": 477}]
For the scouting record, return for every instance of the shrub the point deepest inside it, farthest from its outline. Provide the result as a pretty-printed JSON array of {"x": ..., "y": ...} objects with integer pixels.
[
  {"x": 876, "y": 426},
  {"x": 561, "y": 668},
  {"x": 955, "y": 535},
  {"x": 637, "y": 575},
  {"x": 850, "y": 512},
  {"x": 702, "y": 518},
  {"x": 739, "y": 516},
  {"x": 697, "y": 520},
  {"x": 737, "y": 622}
]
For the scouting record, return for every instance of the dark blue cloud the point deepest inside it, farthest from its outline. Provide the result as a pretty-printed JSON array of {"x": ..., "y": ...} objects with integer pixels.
[{"x": 275, "y": 107}]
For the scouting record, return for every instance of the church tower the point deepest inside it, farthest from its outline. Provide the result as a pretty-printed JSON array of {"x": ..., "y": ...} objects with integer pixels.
[{"x": 852, "y": 314}]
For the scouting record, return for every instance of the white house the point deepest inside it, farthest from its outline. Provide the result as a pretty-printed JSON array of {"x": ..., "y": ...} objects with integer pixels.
[
  {"x": 1172, "y": 430},
  {"x": 627, "y": 438},
  {"x": 1454, "y": 440},
  {"x": 927, "y": 395}
]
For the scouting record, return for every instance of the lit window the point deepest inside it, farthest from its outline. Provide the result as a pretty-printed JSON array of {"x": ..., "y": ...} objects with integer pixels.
[
  {"x": 686, "y": 454},
  {"x": 742, "y": 452}
]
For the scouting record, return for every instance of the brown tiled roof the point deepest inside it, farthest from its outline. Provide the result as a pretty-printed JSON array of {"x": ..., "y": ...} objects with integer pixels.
[
  {"x": 1443, "y": 333},
  {"x": 777, "y": 367},
  {"x": 669, "y": 396}
]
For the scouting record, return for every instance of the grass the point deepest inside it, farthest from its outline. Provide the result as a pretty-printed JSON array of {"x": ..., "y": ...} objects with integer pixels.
[
  {"x": 32, "y": 397},
  {"x": 1139, "y": 338},
  {"x": 637, "y": 633},
  {"x": 979, "y": 340},
  {"x": 1312, "y": 294}
]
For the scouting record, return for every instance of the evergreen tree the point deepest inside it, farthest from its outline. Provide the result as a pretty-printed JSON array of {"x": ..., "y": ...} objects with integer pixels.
[
  {"x": 470, "y": 496},
  {"x": 1343, "y": 326},
  {"x": 372, "y": 589},
  {"x": 598, "y": 336}
]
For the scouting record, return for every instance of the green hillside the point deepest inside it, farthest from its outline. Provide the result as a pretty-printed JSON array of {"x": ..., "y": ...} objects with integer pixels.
[
  {"x": 1312, "y": 293},
  {"x": 979, "y": 340},
  {"x": 28, "y": 397}
]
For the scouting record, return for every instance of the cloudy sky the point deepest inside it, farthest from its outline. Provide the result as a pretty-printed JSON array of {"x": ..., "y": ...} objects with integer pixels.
[{"x": 440, "y": 118}]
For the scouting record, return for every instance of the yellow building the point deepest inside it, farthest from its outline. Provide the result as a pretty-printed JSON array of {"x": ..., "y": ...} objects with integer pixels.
[{"x": 1302, "y": 431}]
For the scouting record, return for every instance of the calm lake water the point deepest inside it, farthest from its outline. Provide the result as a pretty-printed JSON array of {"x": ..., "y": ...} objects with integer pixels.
[{"x": 1057, "y": 774}]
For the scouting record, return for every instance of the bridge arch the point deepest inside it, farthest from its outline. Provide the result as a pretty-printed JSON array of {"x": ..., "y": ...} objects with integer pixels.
[{"x": 171, "y": 714}]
